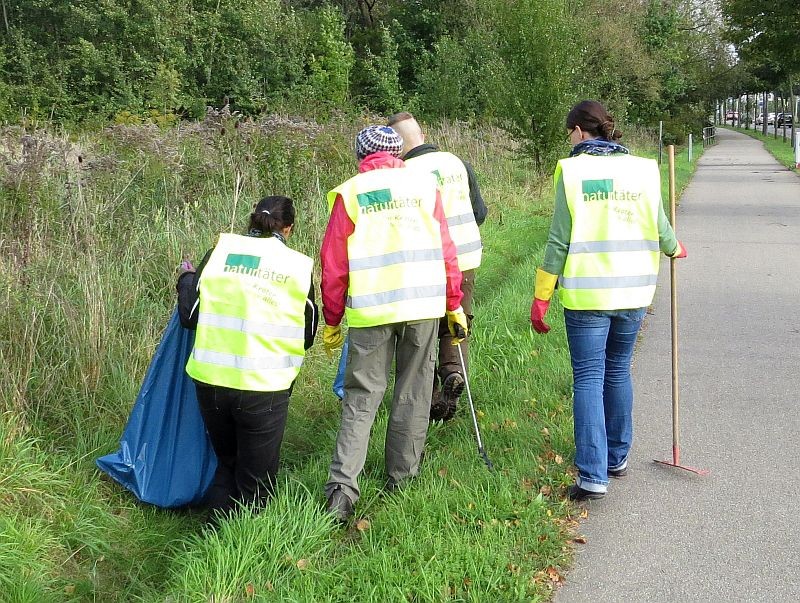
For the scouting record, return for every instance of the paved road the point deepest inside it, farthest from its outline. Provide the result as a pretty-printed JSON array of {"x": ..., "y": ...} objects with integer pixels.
[
  {"x": 662, "y": 534},
  {"x": 770, "y": 129}
]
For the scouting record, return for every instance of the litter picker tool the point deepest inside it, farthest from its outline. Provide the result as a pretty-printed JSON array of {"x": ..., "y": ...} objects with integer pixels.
[
  {"x": 676, "y": 439},
  {"x": 481, "y": 451}
]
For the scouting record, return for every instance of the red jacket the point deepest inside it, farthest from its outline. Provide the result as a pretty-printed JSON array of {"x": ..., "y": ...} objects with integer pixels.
[{"x": 335, "y": 263}]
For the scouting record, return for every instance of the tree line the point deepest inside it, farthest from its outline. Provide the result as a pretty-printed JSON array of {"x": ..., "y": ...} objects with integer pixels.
[
  {"x": 514, "y": 63},
  {"x": 765, "y": 36}
]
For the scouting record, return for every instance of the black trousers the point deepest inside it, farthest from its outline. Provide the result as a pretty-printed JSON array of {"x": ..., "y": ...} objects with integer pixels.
[{"x": 246, "y": 429}]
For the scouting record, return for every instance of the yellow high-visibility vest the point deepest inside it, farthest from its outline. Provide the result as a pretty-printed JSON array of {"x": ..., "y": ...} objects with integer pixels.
[
  {"x": 613, "y": 256},
  {"x": 395, "y": 254},
  {"x": 251, "y": 323},
  {"x": 454, "y": 186}
]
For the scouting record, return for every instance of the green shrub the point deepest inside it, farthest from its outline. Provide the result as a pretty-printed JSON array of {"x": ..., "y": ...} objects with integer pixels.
[{"x": 376, "y": 77}]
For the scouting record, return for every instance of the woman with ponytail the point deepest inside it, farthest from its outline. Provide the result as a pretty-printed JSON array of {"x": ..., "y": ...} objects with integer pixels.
[
  {"x": 252, "y": 304},
  {"x": 603, "y": 250}
]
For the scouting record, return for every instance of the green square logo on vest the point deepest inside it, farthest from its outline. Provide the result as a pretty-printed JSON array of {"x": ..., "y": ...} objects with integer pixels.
[
  {"x": 237, "y": 262},
  {"x": 597, "y": 190},
  {"x": 381, "y": 200},
  {"x": 383, "y": 195}
]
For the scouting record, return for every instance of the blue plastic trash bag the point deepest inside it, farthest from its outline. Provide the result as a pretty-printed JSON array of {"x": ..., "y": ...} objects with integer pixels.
[
  {"x": 338, "y": 382},
  {"x": 165, "y": 457}
]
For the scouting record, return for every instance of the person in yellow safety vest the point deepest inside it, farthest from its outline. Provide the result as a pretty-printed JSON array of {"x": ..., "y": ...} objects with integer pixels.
[
  {"x": 252, "y": 303},
  {"x": 388, "y": 265},
  {"x": 603, "y": 250},
  {"x": 465, "y": 212}
]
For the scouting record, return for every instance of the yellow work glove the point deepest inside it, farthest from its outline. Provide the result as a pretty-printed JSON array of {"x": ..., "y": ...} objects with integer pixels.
[
  {"x": 332, "y": 339},
  {"x": 457, "y": 323},
  {"x": 545, "y": 285}
]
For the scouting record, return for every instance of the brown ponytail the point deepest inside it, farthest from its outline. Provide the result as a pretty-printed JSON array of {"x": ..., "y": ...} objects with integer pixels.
[{"x": 592, "y": 117}]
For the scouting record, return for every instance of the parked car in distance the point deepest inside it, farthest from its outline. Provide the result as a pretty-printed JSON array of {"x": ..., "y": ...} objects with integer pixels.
[
  {"x": 782, "y": 119},
  {"x": 759, "y": 119},
  {"x": 731, "y": 116},
  {"x": 770, "y": 119}
]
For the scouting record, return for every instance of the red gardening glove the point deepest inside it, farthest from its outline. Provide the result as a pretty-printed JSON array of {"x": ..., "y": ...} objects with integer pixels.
[
  {"x": 538, "y": 310},
  {"x": 680, "y": 252}
]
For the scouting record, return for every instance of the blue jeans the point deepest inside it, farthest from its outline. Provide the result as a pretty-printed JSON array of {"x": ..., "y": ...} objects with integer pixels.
[{"x": 601, "y": 346}]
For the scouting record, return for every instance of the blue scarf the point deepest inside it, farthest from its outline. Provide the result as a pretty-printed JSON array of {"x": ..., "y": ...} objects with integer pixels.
[
  {"x": 598, "y": 146},
  {"x": 257, "y": 232}
]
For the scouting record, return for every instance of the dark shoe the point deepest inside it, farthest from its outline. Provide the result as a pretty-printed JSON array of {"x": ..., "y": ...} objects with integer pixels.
[
  {"x": 618, "y": 473},
  {"x": 453, "y": 386},
  {"x": 439, "y": 407},
  {"x": 391, "y": 486},
  {"x": 340, "y": 506},
  {"x": 577, "y": 493}
]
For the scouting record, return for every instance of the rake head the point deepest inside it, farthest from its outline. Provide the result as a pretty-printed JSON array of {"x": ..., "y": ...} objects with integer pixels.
[{"x": 676, "y": 462}]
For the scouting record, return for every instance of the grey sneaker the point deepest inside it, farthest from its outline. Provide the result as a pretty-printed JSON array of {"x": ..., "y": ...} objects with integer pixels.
[{"x": 340, "y": 506}]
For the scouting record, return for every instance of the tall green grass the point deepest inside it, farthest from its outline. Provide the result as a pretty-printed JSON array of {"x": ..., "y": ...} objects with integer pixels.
[{"x": 91, "y": 228}]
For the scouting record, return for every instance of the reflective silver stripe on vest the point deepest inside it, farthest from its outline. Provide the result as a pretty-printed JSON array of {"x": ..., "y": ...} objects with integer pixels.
[
  {"x": 610, "y": 246},
  {"x": 396, "y": 257},
  {"x": 467, "y": 247},
  {"x": 607, "y": 282},
  {"x": 388, "y": 297},
  {"x": 462, "y": 219},
  {"x": 247, "y": 364},
  {"x": 250, "y": 327}
]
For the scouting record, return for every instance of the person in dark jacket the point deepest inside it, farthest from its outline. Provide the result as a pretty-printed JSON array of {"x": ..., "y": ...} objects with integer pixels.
[
  {"x": 252, "y": 304},
  {"x": 465, "y": 212}
]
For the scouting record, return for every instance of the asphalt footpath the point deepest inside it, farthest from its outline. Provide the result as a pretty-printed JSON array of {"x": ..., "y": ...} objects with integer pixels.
[{"x": 664, "y": 534}]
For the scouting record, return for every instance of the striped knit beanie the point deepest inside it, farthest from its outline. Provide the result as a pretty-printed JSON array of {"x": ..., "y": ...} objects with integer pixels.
[{"x": 374, "y": 139}]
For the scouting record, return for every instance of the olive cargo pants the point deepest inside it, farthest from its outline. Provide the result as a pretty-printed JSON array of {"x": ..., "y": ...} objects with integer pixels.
[{"x": 369, "y": 360}]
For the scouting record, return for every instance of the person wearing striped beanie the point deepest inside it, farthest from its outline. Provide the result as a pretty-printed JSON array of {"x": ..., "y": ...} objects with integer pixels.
[{"x": 390, "y": 266}]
